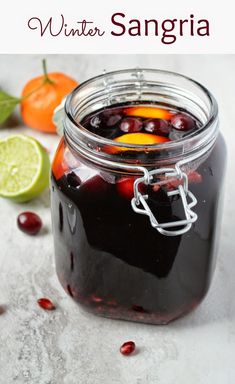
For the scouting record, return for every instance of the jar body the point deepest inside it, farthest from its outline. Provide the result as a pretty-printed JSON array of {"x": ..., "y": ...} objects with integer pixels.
[{"x": 112, "y": 261}]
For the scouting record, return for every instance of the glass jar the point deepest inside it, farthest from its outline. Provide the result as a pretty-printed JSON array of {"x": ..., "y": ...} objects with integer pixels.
[{"x": 149, "y": 257}]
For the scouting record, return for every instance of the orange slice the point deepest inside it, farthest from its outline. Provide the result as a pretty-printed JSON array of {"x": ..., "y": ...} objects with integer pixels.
[
  {"x": 59, "y": 165},
  {"x": 136, "y": 138},
  {"x": 141, "y": 138},
  {"x": 148, "y": 112}
]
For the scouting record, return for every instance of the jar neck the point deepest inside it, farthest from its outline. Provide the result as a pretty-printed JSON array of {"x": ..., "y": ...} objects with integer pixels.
[{"x": 140, "y": 85}]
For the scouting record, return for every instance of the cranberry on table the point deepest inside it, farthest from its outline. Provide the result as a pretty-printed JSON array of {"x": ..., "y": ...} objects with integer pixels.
[
  {"x": 157, "y": 126},
  {"x": 29, "y": 222},
  {"x": 183, "y": 122},
  {"x": 127, "y": 348},
  {"x": 130, "y": 125}
]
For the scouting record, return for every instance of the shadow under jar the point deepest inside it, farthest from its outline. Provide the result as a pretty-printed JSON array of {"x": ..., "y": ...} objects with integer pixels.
[{"x": 147, "y": 254}]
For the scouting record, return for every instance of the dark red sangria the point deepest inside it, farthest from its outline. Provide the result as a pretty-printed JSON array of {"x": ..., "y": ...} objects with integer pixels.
[{"x": 137, "y": 182}]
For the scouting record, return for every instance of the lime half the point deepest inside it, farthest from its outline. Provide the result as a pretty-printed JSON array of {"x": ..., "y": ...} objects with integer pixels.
[{"x": 24, "y": 168}]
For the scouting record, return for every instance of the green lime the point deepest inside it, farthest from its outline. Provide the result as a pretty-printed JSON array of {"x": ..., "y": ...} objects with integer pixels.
[{"x": 24, "y": 168}]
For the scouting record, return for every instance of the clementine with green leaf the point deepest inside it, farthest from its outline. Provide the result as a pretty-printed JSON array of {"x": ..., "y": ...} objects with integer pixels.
[{"x": 41, "y": 96}]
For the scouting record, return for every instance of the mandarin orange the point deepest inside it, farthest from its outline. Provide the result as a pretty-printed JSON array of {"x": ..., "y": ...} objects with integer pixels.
[{"x": 41, "y": 96}]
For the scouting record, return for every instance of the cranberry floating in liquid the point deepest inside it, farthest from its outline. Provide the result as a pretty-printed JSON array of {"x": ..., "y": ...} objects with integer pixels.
[
  {"x": 113, "y": 120},
  {"x": 131, "y": 125},
  {"x": 157, "y": 126},
  {"x": 183, "y": 122}
]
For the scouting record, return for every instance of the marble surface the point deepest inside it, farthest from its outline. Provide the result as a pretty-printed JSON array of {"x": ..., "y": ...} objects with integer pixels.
[{"x": 69, "y": 346}]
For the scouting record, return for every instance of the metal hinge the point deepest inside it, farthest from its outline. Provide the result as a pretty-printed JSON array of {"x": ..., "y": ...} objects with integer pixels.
[{"x": 140, "y": 202}]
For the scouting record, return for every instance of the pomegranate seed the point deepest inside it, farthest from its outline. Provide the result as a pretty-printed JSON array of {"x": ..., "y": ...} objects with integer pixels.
[
  {"x": 46, "y": 304},
  {"x": 29, "y": 223},
  {"x": 127, "y": 348}
]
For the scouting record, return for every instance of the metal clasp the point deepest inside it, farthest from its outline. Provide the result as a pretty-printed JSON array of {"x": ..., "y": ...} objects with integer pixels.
[{"x": 140, "y": 205}]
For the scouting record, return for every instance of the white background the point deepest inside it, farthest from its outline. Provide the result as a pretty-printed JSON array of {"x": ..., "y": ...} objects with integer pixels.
[{"x": 15, "y": 36}]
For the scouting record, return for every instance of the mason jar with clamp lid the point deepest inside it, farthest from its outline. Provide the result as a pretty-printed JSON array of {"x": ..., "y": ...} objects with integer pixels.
[{"x": 136, "y": 223}]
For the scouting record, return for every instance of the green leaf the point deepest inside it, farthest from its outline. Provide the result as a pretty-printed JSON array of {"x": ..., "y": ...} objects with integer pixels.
[{"x": 7, "y": 105}]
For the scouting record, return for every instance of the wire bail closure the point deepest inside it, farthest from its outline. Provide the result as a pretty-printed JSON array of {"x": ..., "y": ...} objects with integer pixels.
[{"x": 187, "y": 197}]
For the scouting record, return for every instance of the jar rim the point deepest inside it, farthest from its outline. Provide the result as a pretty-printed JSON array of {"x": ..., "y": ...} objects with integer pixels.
[{"x": 202, "y": 133}]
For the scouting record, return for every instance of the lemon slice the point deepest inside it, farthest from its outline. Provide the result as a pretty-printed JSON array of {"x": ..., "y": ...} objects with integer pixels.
[{"x": 24, "y": 168}]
